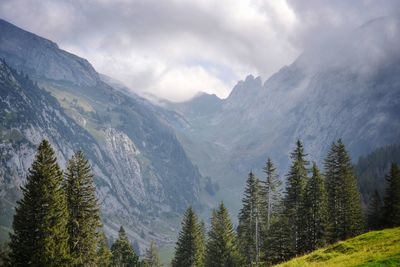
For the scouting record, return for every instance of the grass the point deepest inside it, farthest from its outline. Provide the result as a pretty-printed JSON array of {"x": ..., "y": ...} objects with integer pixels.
[{"x": 373, "y": 249}]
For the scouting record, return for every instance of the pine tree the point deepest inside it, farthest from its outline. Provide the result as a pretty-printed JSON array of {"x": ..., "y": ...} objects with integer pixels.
[
  {"x": 392, "y": 199},
  {"x": 374, "y": 212},
  {"x": 344, "y": 202},
  {"x": 250, "y": 221},
  {"x": 270, "y": 205},
  {"x": 270, "y": 193},
  {"x": 152, "y": 259},
  {"x": 315, "y": 211},
  {"x": 122, "y": 251},
  {"x": 189, "y": 251},
  {"x": 293, "y": 202},
  {"x": 333, "y": 186},
  {"x": 221, "y": 248},
  {"x": 103, "y": 251},
  {"x": 40, "y": 236},
  {"x": 84, "y": 214},
  {"x": 278, "y": 243}
]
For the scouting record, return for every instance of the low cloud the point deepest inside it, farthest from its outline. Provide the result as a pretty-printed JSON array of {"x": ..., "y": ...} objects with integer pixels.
[{"x": 173, "y": 48}]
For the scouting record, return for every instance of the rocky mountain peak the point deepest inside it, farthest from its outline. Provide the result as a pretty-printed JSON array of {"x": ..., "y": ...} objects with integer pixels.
[{"x": 43, "y": 58}]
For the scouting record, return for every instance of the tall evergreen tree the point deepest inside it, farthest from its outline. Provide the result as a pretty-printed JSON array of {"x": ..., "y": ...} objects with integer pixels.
[
  {"x": 103, "y": 251},
  {"x": 270, "y": 195},
  {"x": 189, "y": 251},
  {"x": 40, "y": 236},
  {"x": 315, "y": 211},
  {"x": 221, "y": 248},
  {"x": 270, "y": 206},
  {"x": 84, "y": 214},
  {"x": 344, "y": 203},
  {"x": 278, "y": 243},
  {"x": 374, "y": 212},
  {"x": 293, "y": 202},
  {"x": 250, "y": 221},
  {"x": 392, "y": 198},
  {"x": 152, "y": 258},
  {"x": 123, "y": 254}
]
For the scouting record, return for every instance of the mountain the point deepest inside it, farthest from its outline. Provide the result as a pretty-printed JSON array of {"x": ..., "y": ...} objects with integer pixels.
[
  {"x": 345, "y": 88},
  {"x": 144, "y": 179},
  {"x": 377, "y": 248},
  {"x": 372, "y": 170}
]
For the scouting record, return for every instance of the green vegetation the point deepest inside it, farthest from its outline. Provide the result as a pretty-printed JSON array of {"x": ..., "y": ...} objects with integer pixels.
[
  {"x": 373, "y": 249},
  {"x": 40, "y": 234},
  {"x": 122, "y": 251},
  {"x": 190, "y": 246},
  {"x": 57, "y": 221}
]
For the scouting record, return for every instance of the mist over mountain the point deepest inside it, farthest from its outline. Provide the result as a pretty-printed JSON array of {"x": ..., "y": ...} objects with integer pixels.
[
  {"x": 142, "y": 173},
  {"x": 345, "y": 88}
]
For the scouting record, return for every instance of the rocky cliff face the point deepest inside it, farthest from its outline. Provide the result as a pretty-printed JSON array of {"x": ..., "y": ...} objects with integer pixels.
[
  {"x": 141, "y": 171},
  {"x": 42, "y": 58}
]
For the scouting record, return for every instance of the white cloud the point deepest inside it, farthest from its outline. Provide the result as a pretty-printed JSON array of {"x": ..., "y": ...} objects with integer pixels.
[{"x": 175, "y": 48}]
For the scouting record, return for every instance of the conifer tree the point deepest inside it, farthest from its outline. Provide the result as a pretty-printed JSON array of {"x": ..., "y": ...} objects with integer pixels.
[
  {"x": 374, "y": 212},
  {"x": 315, "y": 211},
  {"x": 278, "y": 243},
  {"x": 221, "y": 248},
  {"x": 189, "y": 251},
  {"x": 103, "y": 252},
  {"x": 123, "y": 254},
  {"x": 270, "y": 195},
  {"x": 293, "y": 202},
  {"x": 250, "y": 221},
  {"x": 392, "y": 198},
  {"x": 344, "y": 205},
  {"x": 84, "y": 214},
  {"x": 40, "y": 236},
  {"x": 152, "y": 258}
]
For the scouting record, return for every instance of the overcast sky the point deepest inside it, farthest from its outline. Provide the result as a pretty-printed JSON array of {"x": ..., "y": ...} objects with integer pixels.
[{"x": 174, "y": 49}]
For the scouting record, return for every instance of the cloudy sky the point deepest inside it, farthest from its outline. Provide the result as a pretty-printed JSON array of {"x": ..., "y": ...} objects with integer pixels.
[{"x": 174, "y": 48}]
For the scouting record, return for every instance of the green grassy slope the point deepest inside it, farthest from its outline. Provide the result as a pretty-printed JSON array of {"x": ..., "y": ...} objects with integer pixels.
[{"x": 377, "y": 248}]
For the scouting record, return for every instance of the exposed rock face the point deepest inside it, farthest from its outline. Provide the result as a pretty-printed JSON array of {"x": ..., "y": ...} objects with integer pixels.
[
  {"x": 42, "y": 58},
  {"x": 141, "y": 171}
]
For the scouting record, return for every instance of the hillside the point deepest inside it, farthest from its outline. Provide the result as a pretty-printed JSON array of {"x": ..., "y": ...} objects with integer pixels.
[
  {"x": 377, "y": 248},
  {"x": 143, "y": 177}
]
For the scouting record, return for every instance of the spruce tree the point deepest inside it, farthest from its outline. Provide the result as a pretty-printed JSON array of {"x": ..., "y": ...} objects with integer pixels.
[
  {"x": 278, "y": 243},
  {"x": 103, "y": 251},
  {"x": 315, "y": 211},
  {"x": 250, "y": 221},
  {"x": 392, "y": 198},
  {"x": 84, "y": 214},
  {"x": 152, "y": 258},
  {"x": 221, "y": 248},
  {"x": 344, "y": 203},
  {"x": 189, "y": 251},
  {"x": 123, "y": 254},
  {"x": 270, "y": 195},
  {"x": 40, "y": 236},
  {"x": 293, "y": 202},
  {"x": 374, "y": 212}
]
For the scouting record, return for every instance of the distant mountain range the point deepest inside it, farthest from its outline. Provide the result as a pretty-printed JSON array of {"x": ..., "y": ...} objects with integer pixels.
[{"x": 345, "y": 88}]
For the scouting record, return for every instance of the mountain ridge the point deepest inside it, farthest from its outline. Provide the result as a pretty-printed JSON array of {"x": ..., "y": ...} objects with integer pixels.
[{"x": 141, "y": 171}]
